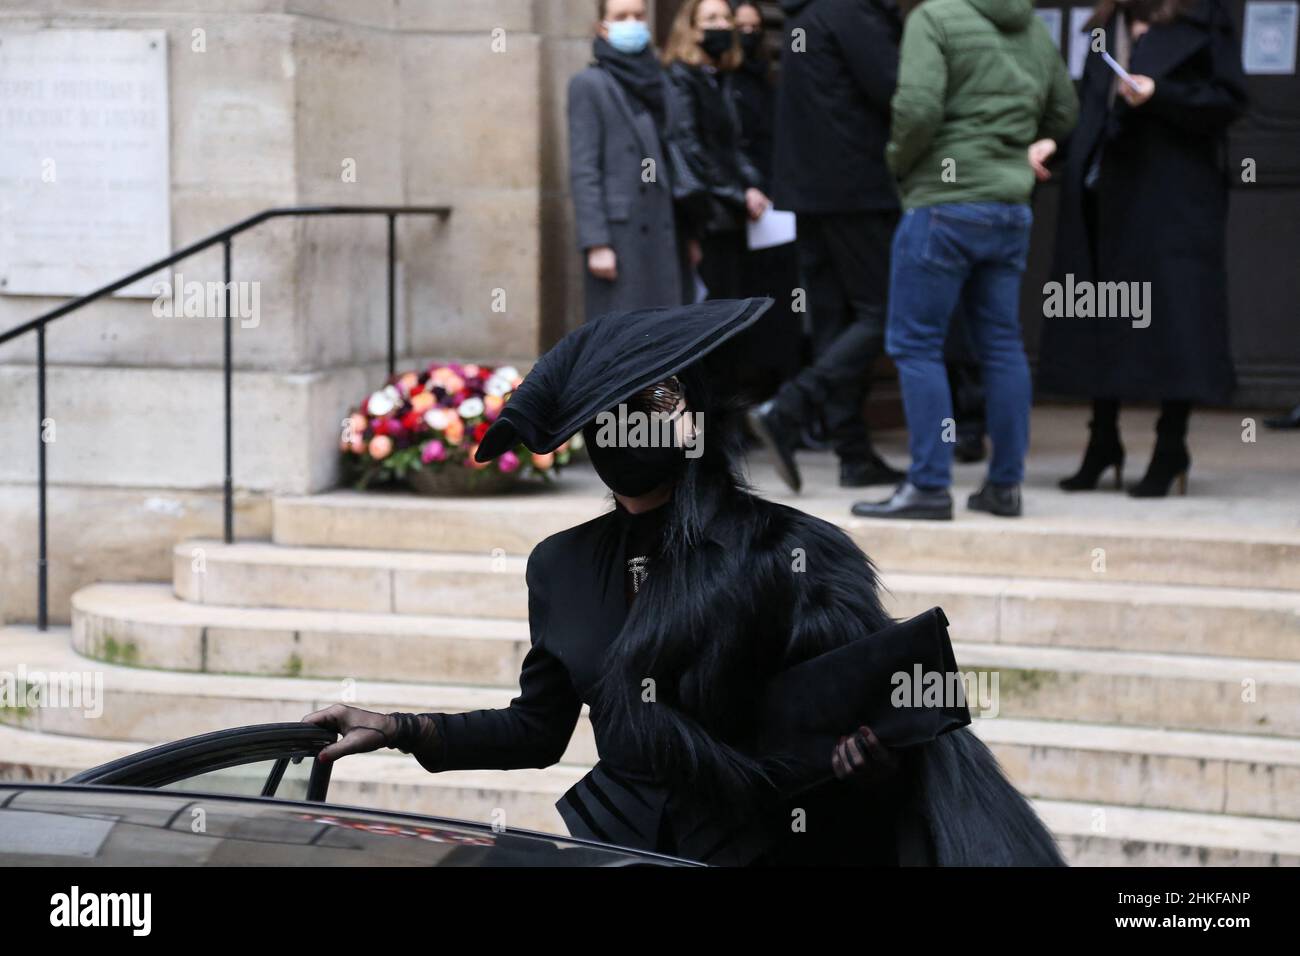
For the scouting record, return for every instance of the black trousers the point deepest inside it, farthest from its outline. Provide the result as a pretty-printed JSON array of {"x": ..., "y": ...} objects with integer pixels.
[{"x": 844, "y": 261}]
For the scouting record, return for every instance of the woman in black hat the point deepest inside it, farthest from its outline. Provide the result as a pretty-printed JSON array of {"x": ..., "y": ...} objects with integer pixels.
[{"x": 741, "y": 715}]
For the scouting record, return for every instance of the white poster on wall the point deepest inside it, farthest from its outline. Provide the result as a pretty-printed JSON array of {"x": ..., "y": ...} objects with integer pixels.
[
  {"x": 1079, "y": 40},
  {"x": 1268, "y": 38},
  {"x": 1051, "y": 17},
  {"x": 85, "y": 179}
]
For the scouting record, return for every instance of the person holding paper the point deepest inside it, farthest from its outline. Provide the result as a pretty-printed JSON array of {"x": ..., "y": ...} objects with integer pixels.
[
  {"x": 771, "y": 266},
  {"x": 1144, "y": 203},
  {"x": 702, "y": 51}
]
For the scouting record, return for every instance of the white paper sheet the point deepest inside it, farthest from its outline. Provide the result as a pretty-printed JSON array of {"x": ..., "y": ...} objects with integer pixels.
[{"x": 774, "y": 228}]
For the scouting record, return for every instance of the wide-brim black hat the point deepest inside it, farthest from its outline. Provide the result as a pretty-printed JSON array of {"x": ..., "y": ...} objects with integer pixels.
[{"x": 607, "y": 361}]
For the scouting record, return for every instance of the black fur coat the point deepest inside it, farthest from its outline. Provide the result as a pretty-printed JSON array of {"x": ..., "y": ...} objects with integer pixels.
[{"x": 693, "y": 760}]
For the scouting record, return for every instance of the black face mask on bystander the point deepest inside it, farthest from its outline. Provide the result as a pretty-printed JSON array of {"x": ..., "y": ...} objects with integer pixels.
[{"x": 717, "y": 42}]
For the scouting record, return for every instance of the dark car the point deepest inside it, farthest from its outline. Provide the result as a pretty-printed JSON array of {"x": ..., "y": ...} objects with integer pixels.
[{"x": 254, "y": 796}]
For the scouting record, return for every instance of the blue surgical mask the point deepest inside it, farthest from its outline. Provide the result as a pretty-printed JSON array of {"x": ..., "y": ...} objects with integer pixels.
[{"x": 628, "y": 36}]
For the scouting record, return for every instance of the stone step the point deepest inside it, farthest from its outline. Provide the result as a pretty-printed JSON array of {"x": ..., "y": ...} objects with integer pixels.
[
  {"x": 1236, "y": 774},
  {"x": 149, "y": 706},
  {"x": 1095, "y": 834},
  {"x": 1146, "y": 552},
  {"x": 1091, "y": 834},
  {"x": 1180, "y": 691},
  {"x": 1174, "y": 691},
  {"x": 146, "y": 625},
  {"x": 1243, "y": 761},
  {"x": 1097, "y": 614},
  {"x": 258, "y": 574}
]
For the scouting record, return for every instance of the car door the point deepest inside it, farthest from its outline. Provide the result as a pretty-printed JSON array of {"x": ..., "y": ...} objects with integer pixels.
[{"x": 268, "y": 760}]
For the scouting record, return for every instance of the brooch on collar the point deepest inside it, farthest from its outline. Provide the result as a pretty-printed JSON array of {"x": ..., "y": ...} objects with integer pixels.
[{"x": 640, "y": 570}]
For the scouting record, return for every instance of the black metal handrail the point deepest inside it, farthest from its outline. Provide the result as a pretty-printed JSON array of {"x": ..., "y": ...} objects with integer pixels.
[{"x": 224, "y": 237}]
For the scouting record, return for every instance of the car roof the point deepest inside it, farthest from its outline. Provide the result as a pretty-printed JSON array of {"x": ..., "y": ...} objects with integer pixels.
[{"x": 90, "y": 824}]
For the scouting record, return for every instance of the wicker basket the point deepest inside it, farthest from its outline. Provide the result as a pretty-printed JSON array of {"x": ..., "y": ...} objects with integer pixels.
[{"x": 459, "y": 480}]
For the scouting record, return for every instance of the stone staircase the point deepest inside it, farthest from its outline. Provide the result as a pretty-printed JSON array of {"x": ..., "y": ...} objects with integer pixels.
[{"x": 1148, "y": 676}]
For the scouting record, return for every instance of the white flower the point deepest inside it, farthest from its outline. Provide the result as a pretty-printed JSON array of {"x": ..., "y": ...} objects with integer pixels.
[
  {"x": 437, "y": 418},
  {"x": 383, "y": 401},
  {"x": 508, "y": 372},
  {"x": 470, "y": 408},
  {"x": 497, "y": 385}
]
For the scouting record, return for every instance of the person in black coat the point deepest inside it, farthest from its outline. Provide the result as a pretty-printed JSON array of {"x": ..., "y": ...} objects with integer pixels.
[
  {"x": 707, "y": 630},
  {"x": 777, "y": 343},
  {"x": 701, "y": 53},
  {"x": 1144, "y": 202},
  {"x": 839, "y": 68}
]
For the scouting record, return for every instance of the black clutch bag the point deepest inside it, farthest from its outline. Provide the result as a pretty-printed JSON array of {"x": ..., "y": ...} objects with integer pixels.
[{"x": 902, "y": 682}]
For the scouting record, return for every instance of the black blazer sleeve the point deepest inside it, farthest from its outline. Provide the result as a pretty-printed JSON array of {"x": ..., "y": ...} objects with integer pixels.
[{"x": 535, "y": 729}]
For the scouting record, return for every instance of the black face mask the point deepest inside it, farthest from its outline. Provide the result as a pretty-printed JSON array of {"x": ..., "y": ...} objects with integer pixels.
[
  {"x": 750, "y": 44},
  {"x": 633, "y": 472},
  {"x": 717, "y": 42}
]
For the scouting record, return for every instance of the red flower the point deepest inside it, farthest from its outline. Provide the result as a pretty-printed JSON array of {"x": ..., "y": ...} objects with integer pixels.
[
  {"x": 416, "y": 390},
  {"x": 411, "y": 421},
  {"x": 480, "y": 430}
]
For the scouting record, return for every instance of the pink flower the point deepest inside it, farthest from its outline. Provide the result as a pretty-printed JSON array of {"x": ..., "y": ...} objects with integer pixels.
[
  {"x": 508, "y": 462},
  {"x": 381, "y": 446},
  {"x": 543, "y": 462},
  {"x": 433, "y": 451}
]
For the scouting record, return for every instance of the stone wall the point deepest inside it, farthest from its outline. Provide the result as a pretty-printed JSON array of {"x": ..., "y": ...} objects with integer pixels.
[{"x": 435, "y": 102}]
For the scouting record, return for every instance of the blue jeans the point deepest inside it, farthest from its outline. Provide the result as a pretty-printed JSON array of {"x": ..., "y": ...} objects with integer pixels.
[{"x": 973, "y": 252}]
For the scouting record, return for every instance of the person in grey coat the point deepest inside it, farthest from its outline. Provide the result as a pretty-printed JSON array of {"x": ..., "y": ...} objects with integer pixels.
[{"x": 619, "y": 111}]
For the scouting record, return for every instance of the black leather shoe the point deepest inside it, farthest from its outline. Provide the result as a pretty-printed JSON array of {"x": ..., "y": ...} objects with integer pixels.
[
  {"x": 869, "y": 471},
  {"x": 909, "y": 501},
  {"x": 1001, "y": 500},
  {"x": 778, "y": 440}
]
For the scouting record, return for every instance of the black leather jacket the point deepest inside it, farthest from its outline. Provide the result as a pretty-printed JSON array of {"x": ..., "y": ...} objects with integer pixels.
[{"x": 710, "y": 142}]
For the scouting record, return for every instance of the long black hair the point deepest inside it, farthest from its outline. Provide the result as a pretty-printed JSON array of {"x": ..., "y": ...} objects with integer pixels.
[{"x": 679, "y": 680}]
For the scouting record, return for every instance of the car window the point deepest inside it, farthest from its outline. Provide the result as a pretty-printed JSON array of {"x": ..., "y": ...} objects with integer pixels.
[{"x": 250, "y": 779}]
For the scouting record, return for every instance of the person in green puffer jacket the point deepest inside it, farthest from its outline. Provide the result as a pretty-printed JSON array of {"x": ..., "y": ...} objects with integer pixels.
[
  {"x": 978, "y": 82},
  {"x": 982, "y": 97}
]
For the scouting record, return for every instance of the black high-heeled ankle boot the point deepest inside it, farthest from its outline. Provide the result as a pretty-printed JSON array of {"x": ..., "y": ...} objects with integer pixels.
[
  {"x": 1104, "y": 451},
  {"x": 1171, "y": 460}
]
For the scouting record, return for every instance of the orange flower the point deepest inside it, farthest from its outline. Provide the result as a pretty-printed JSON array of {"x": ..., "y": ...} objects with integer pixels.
[
  {"x": 543, "y": 462},
  {"x": 454, "y": 431},
  {"x": 422, "y": 402},
  {"x": 381, "y": 446}
]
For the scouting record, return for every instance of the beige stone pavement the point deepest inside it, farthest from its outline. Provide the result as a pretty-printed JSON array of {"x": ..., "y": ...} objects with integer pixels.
[{"x": 1250, "y": 489}]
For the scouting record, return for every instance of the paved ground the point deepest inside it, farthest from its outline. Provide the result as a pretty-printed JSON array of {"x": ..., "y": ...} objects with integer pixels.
[{"x": 1248, "y": 488}]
